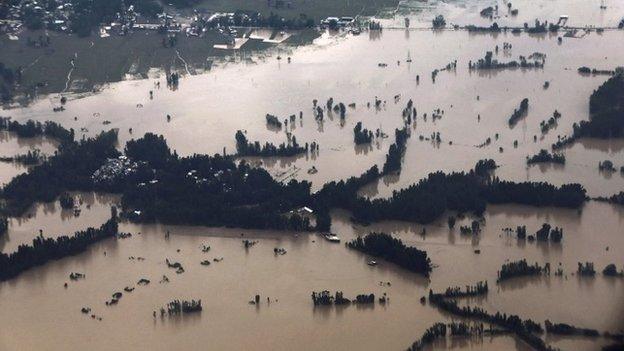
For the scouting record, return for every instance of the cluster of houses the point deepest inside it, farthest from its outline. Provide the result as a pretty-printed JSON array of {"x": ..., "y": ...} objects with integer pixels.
[
  {"x": 52, "y": 15},
  {"x": 114, "y": 170},
  {"x": 337, "y": 22}
]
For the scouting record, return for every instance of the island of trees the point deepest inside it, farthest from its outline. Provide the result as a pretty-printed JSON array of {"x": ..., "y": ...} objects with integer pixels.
[
  {"x": 520, "y": 269},
  {"x": 361, "y": 135},
  {"x": 393, "y": 250},
  {"x": 544, "y": 156},
  {"x": 545, "y": 126},
  {"x": 247, "y": 148},
  {"x": 43, "y": 249},
  {"x": 324, "y": 298},
  {"x": 606, "y": 113},
  {"x": 519, "y": 112},
  {"x": 396, "y": 151},
  {"x": 490, "y": 63},
  {"x": 32, "y": 129}
]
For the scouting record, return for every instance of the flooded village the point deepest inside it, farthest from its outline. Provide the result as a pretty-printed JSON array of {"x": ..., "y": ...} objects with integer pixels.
[{"x": 311, "y": 175}]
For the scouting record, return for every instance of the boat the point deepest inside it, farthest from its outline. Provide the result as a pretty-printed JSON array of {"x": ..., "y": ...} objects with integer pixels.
[
  {"x": 331, "y": 237},
  {"x": 372, "y": 263}
]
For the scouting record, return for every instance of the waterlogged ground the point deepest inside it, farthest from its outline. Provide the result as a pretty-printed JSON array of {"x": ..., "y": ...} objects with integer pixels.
[
  {"x": 580, "y": 13},
  {"x": 53, "y": 320},
  {"x": 206, "y": 111}
]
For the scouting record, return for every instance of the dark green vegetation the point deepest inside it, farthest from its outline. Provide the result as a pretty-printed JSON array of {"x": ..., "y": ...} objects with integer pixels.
[
  {"x": 361, "y": 135},
  {"x": 8, "y": 79},
  {"x": 519, "y": 113},
  {"x": 70, "y": 169},
  {"x": 615, "y": 199},
  {"x": 606, "y": 108},
  {"x": 4, "y": 225},
  {"x": 177, "y": 307},
  {"x": 524, "y": 329},
  {"x": 207, "y": 190},
  {"x": 428, "y": 199},
  {"x": 488, "y": 62},
  {"x": 32, "y": 157},
  {"x": 46, "y": 249},
  {"x": 32, "y": 129},
  {"x": 544, "y": 156},
  {"x": 158, "y": 185},
  {"x": 566, "y": 329},
  {"x": 586, "y": 269},
  {"x": 436, "y": 331},
  {"x": 324, "y": 298},
  {"x": 393, "y": 250},
  {"x": 550, "y": 123},
  {"x": 595, "y": 71},
  {"x": 481, "y": 288},
  {"x": 484, "y": 167},
  {"x": 396, "y": 151},
  {"x": 247, "y": 148},
  {"x": 610, "y": 270},
  {"x": 520, "y": 269},
  {"x": 606, "y": 113}
]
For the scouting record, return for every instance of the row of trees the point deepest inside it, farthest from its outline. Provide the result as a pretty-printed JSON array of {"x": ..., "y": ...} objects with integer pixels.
[
  {"x": 520, "y": 269},
  {"x": 519, "y": 112},
  {"x": 361, "y": 135},
  {"x": 396, "y": 151},
  {"x": 70, "y": 168},
  {"x": 247, "y": 148},
  {"x": 524, "y": 329},
  {"x": 428, "y": 199},
  {"x": 606, "y": 113},
  {"x": 545, "y": 157},
  {"x": 393, "y": 250},
  {"x": 32, "y": 129},
  {"x": 43, "y": 249}
]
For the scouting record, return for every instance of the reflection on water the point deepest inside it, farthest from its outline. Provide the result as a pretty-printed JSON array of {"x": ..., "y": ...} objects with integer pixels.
[
  {"x": 239, "y": 96},
  {"x": 311, "y": 264},
  {"x": 38, "y": 313},
  {"x": 53, "y": 221}
]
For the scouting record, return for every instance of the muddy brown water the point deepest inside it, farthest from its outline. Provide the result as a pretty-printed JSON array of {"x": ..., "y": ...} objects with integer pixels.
[
  {"x": 208, "y": 109},
  {"x": 40, "y": 314}
]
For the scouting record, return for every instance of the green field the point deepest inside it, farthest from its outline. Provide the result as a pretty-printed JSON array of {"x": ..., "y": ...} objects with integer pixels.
[{"x": 104, "y": 60}]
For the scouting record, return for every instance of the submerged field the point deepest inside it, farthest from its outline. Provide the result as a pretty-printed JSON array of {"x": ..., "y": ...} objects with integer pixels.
[{"x": 216, "y": 98}]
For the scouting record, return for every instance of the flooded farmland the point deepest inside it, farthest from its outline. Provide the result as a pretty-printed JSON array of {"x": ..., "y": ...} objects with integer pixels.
[
  {"x": 41, "y": 308},
  {"x": 205, "y": 114}
]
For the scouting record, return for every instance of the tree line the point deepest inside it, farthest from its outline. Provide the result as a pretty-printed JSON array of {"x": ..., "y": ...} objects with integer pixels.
[
  {"x": 393, "y": 250},
  {"x": 43, "y": 249},
  {"x": 606, "y": 113}
]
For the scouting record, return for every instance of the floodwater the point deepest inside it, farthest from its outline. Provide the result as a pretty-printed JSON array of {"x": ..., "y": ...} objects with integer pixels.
[
  {"x": 580, "y": 13},
  {"x": 54, "y": 221},
  {"x": 52, "y": 320},
  {"x": 206, "y": 111},
  {"x": 11, "y": 146}
]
